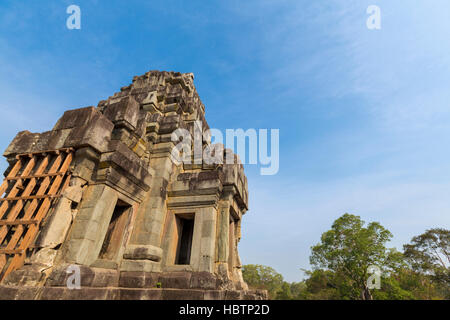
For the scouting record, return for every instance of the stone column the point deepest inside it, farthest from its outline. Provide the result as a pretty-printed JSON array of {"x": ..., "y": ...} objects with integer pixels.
[
  {"x": 232, "y": 247},
  {"x": 90, "y": 225},
  {"x": 223, "y": 235},
  {"x": 149, "y": 223},
  {"x": 207, "y": 239}
]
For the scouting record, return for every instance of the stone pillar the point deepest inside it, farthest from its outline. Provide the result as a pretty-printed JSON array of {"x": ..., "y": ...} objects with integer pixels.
[
  {"x": 223, "y": 234},
  {"x": 207, "y": 239},
  {"x": 196, "y": 250},
  {"x": 149, "y": 223},
  {"x": 156, "y": 211},
  {"x": 84, "y": 163},
  {"x": 232, "y": 247},
  {"x": 55, "y": 230},
  {"x": 170, "y": 241},
  {"x": 90, "y": 225}
]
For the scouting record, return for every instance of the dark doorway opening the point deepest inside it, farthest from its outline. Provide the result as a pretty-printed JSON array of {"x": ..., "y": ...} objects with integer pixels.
[
  {"x": 185, "y": 225},
  {"x": 116, "y": 230}
]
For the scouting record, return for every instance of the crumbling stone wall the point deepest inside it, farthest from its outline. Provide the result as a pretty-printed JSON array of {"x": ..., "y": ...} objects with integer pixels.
[{"x": 119, "y": 218}]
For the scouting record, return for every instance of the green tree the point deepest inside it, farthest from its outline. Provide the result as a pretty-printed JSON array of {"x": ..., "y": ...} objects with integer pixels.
[
  {"x": 299, "y": 290},
  {"x": 263, "y": 277},
  {"x": 428, "y": 256},
  {"x": 406, "y": 284},
  {"x": 349, "y": 248},
  {"x": 284, "y": 293},
  {"x": 429, "y": 253},
  {"x": 394, "y": 287},
  {"x": 329, "y": 285}
]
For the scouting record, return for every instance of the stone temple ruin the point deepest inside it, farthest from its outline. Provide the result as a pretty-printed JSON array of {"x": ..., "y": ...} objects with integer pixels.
[{"x": 101, "y": 194}]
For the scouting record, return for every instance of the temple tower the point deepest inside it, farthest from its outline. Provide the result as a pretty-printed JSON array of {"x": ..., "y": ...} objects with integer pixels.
[{"x": 102, "y": 193}]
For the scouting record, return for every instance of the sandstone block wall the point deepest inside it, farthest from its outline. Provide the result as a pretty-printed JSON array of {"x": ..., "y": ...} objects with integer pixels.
[{"x": 130, "y": 211}]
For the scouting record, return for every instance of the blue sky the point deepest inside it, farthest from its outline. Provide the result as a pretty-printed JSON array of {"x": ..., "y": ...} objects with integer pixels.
[{"x": 364, "y": 115}]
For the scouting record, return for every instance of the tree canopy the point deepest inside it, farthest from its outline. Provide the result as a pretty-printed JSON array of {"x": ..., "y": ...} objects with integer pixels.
[
  {"x": 262, "y": 277},
  {"x": 343, "y": 259},
  {"x": 429, "y": 253},
  {"x": 348, "y": 249}
]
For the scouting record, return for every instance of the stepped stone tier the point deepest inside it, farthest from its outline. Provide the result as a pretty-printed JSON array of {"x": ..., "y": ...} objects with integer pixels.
[{"x": 137, "y": 224}]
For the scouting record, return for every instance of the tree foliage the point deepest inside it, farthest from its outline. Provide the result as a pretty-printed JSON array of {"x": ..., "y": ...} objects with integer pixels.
[
  {"x": 262, "y": 277},
  {"x": 348, "y": 249},
  {"x": 342, "y": 258},
  {"x": 429, "y": 253}
]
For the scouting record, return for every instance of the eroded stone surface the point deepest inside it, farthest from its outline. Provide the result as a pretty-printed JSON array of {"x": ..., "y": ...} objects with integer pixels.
[{"x": 130, "y": 212}]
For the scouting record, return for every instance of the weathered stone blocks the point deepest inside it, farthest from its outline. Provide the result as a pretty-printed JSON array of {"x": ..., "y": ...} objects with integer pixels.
[
  {"x": 123, "y": 113},
  {"x": 122, "y": 218},
  {"x": 96, "y": 134},
  {"x": 141, "y": 252}
]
